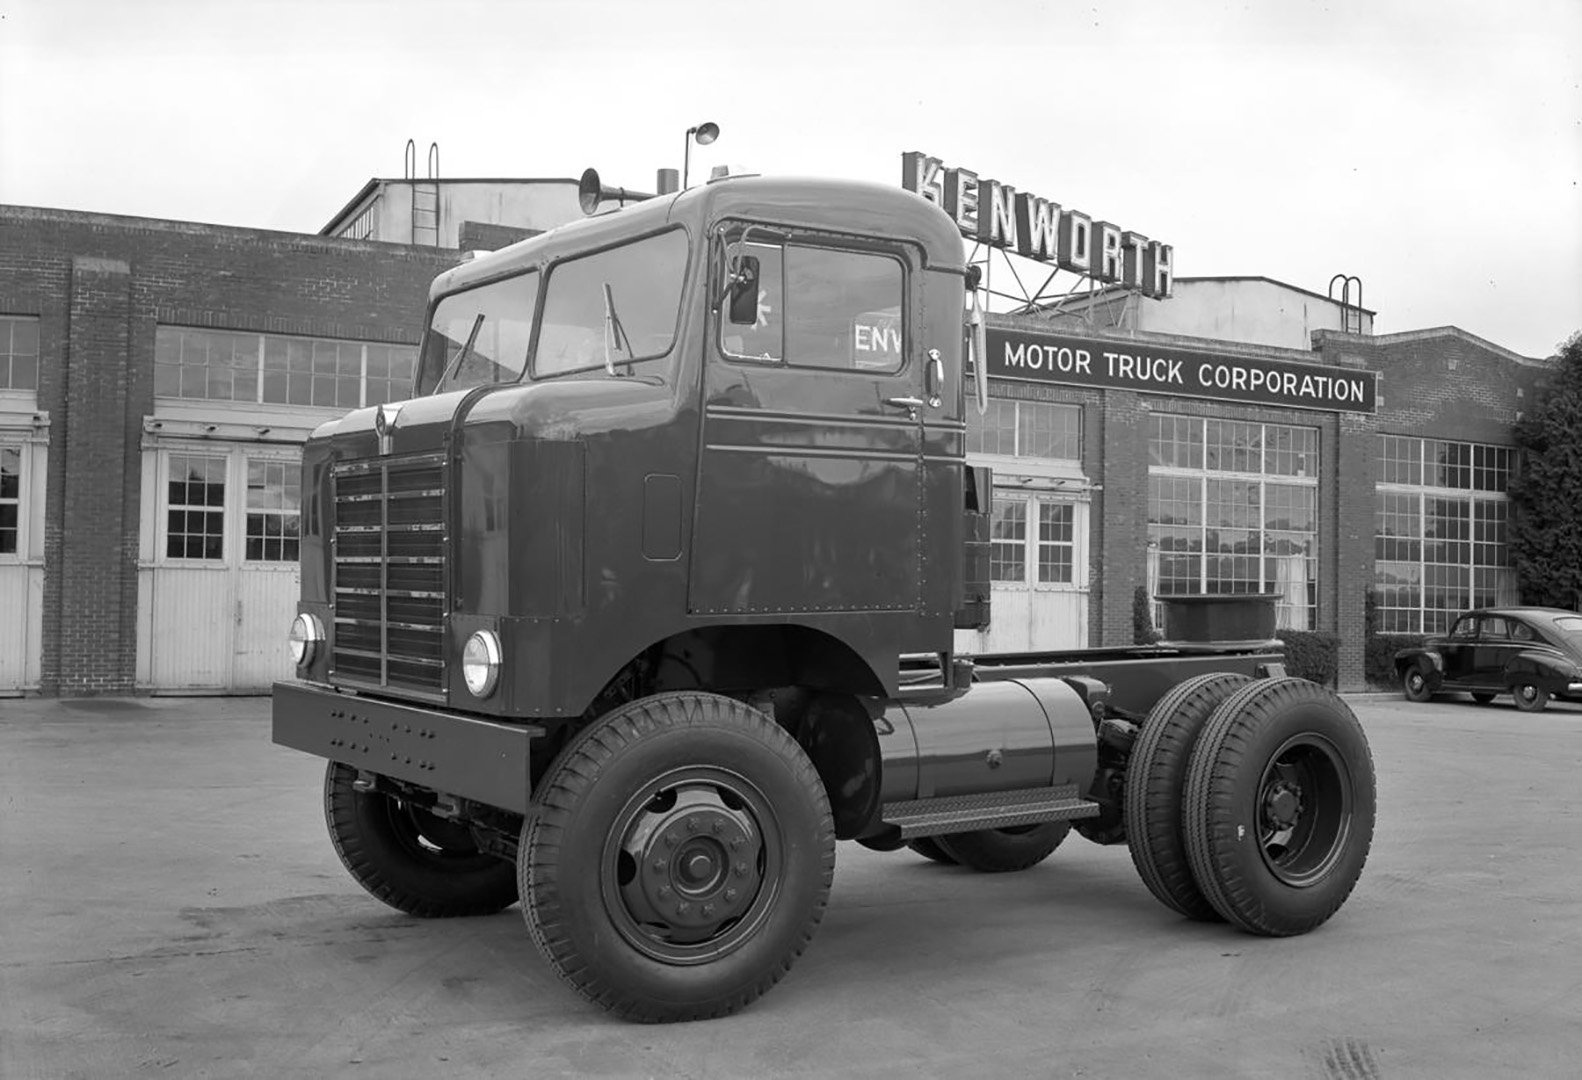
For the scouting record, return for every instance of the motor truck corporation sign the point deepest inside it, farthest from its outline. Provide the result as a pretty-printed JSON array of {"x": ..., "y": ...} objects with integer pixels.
[{"x": 1155, "y": 369}]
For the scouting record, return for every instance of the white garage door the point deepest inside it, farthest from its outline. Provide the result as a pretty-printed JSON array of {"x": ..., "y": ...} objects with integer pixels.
[{"x": 217, "y": 582}]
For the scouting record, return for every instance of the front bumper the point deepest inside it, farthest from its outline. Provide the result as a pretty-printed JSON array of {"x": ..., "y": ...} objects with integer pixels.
[{"x": 483, "y": 760}]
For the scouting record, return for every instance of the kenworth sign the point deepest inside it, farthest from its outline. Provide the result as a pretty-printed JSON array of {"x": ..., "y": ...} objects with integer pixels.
[
  {"x": 1035, "y": 228},
  {"x": 1163, "y": 369}
]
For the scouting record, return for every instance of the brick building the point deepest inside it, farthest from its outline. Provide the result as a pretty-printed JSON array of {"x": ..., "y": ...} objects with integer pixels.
[{"x": 158, "y": 377}]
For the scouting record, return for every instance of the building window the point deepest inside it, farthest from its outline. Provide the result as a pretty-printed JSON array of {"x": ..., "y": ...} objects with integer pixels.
[
  {"x": 195, "y": 507},
  {"x": 274, "y": 507},
  {"x": 363, "y": 226},
  {"x": 1018, "y": 556},
  {"x": 1233, "y": 508},
  {"x": 18, "y": 353},
  {"x": 10, "y": 499},
  {"x": 274, "y": 369},
  {"x": 1439, "y": 537},
  {"x": 1035, "y": 430}
]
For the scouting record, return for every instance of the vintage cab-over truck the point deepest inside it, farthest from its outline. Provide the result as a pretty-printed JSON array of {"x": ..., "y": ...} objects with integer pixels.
[{"x": 647, "y": 597}]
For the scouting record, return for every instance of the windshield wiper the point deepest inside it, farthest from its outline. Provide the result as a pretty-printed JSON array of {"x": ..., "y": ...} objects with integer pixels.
[
  {"x": 613, "y": 330},
  {"x": 466, "y": 349}
]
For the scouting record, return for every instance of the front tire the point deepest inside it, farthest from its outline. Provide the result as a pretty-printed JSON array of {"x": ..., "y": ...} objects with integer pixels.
[
  {"x": 1530, "y": 697},
  {"x": 679, "y": 860},
  {"x": 409, "y": 858},
  {"x": 1000, "y": 851},
  {"x": 1280, "y": 806},
  {"x": 1414, "y": 684}
]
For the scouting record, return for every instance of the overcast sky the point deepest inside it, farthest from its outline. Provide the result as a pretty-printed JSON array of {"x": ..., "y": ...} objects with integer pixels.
[{"x": 1432, "y": 148}]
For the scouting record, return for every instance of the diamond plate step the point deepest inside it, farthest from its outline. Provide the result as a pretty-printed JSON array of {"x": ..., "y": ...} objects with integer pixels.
[{"x": 988, "y": 810}]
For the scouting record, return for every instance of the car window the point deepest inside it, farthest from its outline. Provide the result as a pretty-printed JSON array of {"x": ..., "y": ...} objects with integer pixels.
[
  {"x": 1494, "y": 627},
  {"x": 1465, "y": 629},
  {"x": 1521, "y": 631},
  {"x": 1570, "y": 626}
]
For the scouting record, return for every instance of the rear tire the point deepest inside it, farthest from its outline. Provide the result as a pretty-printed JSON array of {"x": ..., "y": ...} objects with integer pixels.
[
  {"x": 409, "y": 858},
  {"x": 929, "y": 848},
  {"x": 1530, "y": 697},
  {"x": 680, "y": 858},
  {"x": 1414, "y": 684},
  {"x": 1280, "y": 806},
  {"x": 999, "y": 851},
  {"x": 1156, "y": 784}
]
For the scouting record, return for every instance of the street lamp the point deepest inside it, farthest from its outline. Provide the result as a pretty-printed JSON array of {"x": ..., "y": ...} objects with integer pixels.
[{"x": 704, "y": 134}]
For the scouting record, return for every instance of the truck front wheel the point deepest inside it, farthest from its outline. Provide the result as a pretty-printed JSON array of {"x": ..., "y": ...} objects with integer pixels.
[
  {"x": 411, "y": 859},
  {"x": 1280, "y": 806},
  {"x": 679, "y": 859}
]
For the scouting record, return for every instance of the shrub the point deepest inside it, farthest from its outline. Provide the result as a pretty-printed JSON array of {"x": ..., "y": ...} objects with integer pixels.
[
  {"x": 1311, "y": 655},
  {"x": 1378, "y": 663},
  {"x": 1143, "y": 630}
]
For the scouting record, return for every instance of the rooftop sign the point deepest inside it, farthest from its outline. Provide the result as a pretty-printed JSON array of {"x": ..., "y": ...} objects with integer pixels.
[
  {"x": 1163, "y": 369},
  {"x": 1035, "y": 228}
]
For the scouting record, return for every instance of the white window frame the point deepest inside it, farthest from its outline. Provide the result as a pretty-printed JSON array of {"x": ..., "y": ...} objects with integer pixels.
[
  {"x": 233, "y": 537},
  {"x": 1031, "y": 542}
]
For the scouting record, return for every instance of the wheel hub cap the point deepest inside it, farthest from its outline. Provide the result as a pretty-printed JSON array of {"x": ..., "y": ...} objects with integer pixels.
[{"x": 689, "y": 864}]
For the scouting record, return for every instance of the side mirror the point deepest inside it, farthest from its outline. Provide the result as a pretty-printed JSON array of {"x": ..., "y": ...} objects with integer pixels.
[{"x": 743, "y": 295}]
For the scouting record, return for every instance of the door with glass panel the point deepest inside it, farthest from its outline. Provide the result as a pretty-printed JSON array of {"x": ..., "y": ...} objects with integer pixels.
[
  {"x": 218, "y": 578},
  {"x": 1038, "y": 572}
]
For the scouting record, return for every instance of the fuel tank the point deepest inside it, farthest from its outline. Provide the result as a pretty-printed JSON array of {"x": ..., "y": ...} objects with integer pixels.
[{"x": 1006, "y": 735}]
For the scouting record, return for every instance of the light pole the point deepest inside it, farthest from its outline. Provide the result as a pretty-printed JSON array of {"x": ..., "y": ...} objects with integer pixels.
[{"x": 704, "y": 134}]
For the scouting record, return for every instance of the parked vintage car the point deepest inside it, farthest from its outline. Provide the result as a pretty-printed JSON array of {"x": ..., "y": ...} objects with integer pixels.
[{"x": 1531, "y": 653}]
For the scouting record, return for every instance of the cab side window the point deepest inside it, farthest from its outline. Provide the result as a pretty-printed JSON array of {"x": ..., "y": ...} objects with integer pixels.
[
  {"x": 821, "y": 308},
  {"x": 1494, "y": 629},
  {"x": 1522, "y": 632},
  {"x": 1465, "y": 630}
]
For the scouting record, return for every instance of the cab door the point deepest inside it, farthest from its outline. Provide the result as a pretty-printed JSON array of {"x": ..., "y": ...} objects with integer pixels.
[{"x": 810, "y": 475}]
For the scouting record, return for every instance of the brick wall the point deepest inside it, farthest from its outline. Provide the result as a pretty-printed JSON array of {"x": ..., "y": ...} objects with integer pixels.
[{"x": 99, "y": 285}]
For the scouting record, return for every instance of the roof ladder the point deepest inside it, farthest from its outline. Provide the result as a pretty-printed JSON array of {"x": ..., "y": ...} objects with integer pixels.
[{"x": 425, "y": 196}]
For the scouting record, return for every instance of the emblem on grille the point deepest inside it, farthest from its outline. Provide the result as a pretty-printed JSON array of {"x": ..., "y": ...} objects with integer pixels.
[{"x": 384, "y": 423}]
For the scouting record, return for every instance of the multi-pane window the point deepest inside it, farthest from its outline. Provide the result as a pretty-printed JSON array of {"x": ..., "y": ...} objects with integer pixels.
[
  {"x": 275, "y": 369},
  {"x": 18, "y": 353},
  {"x": 195, "y": 507},
  {"x": 1036, "y": 430},
  {"x": 1044, "y": 557},
  {"x": 274, "y": 506},
  {"x": 1233, "y": 508},
  {"x": 10, "y": 499},
  {"x": 1008, "y": 540},
  {"x": 1440, "y": 531}
]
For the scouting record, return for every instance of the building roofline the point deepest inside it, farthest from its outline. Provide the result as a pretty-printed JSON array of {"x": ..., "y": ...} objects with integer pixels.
[
  {"x": 1272, "y": 281},
  {"x": 1456, "y": 331},
  {"x": 98, "y": 219},
  {"x": 376, "y": 182}
]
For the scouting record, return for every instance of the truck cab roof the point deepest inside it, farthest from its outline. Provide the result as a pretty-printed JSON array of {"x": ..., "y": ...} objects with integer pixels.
[{"x": 852, "y": 207}]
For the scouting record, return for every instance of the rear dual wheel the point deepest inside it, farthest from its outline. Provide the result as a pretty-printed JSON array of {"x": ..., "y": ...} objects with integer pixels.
[
  {"x": 1252, "y": 802},
  {"x": 1280, "y": 806}
]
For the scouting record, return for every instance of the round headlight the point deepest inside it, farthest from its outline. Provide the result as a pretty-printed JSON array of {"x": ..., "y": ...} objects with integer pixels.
[
  {"x": 480, "y": 663},
  {"x": 306, "y": 634}
]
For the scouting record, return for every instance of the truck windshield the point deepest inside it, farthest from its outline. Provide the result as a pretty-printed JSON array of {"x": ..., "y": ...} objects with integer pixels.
[
  {"x": 628, "y": 297},
  {"x": 480, "y": 336}
]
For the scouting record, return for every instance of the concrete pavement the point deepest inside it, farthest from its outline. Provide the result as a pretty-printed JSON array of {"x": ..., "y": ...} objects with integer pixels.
[{"x": 172, "y": 907}]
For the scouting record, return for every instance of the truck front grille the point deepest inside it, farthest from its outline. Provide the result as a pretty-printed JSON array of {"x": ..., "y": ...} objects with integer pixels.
[{"x": 388, "y": 540}]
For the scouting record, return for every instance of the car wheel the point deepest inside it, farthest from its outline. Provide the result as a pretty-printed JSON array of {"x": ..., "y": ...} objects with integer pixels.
[
  {"x": 1414, "y": 684},
  {"x": 1530, "y": 697},
  {"x": 1482, "y": 697}
]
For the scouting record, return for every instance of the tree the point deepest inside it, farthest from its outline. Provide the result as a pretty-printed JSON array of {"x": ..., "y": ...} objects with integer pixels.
[{"x": 1546, "y": 494}]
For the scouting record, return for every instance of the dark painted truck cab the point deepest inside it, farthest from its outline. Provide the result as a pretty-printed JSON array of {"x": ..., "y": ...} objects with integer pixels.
[{"x": 647, "y": 597}]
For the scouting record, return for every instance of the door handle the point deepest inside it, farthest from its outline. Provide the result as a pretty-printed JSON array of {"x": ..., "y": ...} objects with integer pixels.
[{"x": 905, "y": 402}]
